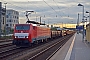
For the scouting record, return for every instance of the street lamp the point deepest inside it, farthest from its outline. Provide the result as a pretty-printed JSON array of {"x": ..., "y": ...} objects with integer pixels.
[
  {"x": 89, "y": 15},
  {"x": 82, "y": 19},
  {"x": 83, "y": 11}
]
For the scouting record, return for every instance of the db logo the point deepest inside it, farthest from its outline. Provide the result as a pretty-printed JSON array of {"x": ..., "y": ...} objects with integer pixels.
[{"x": 21, "y": 31}]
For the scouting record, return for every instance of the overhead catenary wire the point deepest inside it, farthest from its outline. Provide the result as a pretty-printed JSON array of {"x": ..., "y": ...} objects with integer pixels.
[
  {"x": 28, "y": 1},
  {"x": 57, "y": 6},
  {"x": 22, "y": 9},
  {"x": 12, "y": 4},
  {"x": 51, "y": 7},
  {"x": 42, "y": 12}
]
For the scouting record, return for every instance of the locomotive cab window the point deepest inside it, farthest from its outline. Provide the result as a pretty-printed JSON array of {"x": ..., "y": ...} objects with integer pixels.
[{"x": 22, "y": 27}]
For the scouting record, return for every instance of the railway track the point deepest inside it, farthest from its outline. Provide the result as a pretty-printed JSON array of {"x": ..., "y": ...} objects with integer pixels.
[
  {"x": 5, "y": 53},
  {"x": 48, "y": 52},
  {"x": 8, "y": 52},
  {"x": 31, "y": 53},
  {"x": 5, "y": 40},
  {"x": 5, "y": 44}
]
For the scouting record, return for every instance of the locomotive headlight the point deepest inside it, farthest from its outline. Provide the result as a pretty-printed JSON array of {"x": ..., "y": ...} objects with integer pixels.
[
  {"x": 26, "y": 36},
  {"x": 16, "y": 36}
]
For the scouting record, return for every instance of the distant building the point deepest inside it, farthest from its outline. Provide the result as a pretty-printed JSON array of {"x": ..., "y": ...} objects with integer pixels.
[
  {"x": 2, "y": 17},
  {"x": 12, "y": 18},
  {"x": 64, "y": 25}
]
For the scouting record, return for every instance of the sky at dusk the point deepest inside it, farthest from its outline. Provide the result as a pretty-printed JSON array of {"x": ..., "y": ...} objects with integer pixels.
[{"x": 50, "y": 11}]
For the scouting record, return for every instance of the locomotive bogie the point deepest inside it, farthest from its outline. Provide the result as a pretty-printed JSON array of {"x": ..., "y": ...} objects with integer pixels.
[{"x": 21, "y": 42}]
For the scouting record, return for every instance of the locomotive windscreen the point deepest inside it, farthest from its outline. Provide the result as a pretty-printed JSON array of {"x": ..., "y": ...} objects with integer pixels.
[{"x": 22, "y": 27}]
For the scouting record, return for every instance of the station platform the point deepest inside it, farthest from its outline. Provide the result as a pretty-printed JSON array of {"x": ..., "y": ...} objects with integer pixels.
[{"x": 74, "y": 49}]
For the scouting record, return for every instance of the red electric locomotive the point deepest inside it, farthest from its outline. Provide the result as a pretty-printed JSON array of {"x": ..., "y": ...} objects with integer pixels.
[{"x": 26, "y": 34}]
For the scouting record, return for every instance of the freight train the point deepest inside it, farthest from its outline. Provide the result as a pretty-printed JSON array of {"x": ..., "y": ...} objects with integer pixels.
[{"x": 27, "y": 34}]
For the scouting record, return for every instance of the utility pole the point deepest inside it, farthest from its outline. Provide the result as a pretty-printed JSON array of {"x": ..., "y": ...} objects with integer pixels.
[
  {"x": 40, "y": 19},
  {"x": 62, "y": 25},
  {"x": 78, "y": 23},
  {"x": 5, "y": 19},
  {"x": 0, "y": 17},
  {"x": 78, "y": 20}
]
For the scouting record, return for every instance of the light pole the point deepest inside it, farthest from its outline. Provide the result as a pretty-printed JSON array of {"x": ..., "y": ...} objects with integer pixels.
[
  {"x": 5, "y": 18},
  {"x": 89, "y": 15},
  {"x": 82, "y": 20},
  {"x": 78, "y": 20}
]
